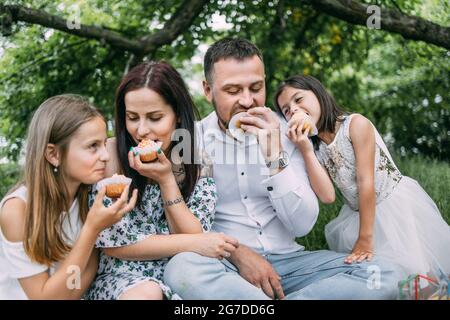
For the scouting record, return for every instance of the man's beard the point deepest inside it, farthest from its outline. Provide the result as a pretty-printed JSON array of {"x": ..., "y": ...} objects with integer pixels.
[{"x": 223, "y": 125}]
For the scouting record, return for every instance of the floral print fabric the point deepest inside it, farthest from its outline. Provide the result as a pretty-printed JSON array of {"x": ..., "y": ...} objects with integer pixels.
[{"x": 114, "y": 275}]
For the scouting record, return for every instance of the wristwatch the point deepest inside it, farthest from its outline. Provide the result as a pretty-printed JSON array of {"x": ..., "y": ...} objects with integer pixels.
[{"x": 280, "y": 163}]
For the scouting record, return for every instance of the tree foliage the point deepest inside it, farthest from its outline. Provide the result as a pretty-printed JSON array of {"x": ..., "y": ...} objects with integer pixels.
[{"x": 401, "y": 85}]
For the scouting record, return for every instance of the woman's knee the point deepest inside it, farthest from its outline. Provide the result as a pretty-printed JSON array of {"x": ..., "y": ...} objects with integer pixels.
[{"x": 145, "y": 291}]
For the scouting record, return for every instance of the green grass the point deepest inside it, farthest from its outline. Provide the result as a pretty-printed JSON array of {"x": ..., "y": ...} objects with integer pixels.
[{"x": 432, "y": 175}]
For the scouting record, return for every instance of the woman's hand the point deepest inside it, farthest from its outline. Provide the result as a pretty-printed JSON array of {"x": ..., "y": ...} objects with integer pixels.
[
  {"x": 215, "y": 245},
  {"x": 100, "y": 217},
  {"x": 362, "y": 250},
  {"x": 298, "y": 135},
  {"x": 159, "y": 170}
]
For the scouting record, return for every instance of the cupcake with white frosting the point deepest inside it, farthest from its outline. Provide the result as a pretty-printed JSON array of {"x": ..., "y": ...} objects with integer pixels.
[{"x": 114, "y": 185}]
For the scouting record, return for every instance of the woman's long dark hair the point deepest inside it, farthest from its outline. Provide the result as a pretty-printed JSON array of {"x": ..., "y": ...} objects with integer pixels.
[
  {"x": 330, "y": 112},
  {"x": 162, "y": 78}
]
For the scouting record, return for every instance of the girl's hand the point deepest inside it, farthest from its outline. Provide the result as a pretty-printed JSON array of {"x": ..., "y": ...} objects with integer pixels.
[
  {"x": 299, "y": 137},
  {"x": 159, "y": 170},
  {"x": 215, "y": 245},
  {"x": 362, "y": 250},
  {"x": 100, "y": 217}
]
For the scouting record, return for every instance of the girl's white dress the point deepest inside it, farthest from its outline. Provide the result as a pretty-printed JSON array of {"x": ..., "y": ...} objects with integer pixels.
[
  {"x": 15, "y": 264},
  {"x": 408, "y": 228}
]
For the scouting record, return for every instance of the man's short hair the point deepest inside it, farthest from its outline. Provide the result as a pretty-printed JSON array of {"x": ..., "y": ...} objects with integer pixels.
[{"x": 236, "y": 48}]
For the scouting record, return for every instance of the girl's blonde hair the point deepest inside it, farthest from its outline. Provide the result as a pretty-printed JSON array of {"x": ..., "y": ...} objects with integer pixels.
[{"x": 55, "y": 121}]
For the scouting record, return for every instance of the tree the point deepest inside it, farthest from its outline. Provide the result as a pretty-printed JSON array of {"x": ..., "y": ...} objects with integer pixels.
[
  {"x": 410, "y": 27},
  {"x": 327, "y": 38}
]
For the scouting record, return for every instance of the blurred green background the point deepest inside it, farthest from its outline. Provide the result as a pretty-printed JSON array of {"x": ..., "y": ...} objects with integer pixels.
[{"x": 401, "y": 85}]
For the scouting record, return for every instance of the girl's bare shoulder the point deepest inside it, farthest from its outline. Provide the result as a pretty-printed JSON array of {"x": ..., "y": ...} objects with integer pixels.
[
  {"x": 12, "y": 219},
  {"x": 359, "y": 126}
]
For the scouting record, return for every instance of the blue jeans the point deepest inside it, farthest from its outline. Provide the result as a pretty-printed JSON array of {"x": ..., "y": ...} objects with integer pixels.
[{"x": 305, "y": 275}]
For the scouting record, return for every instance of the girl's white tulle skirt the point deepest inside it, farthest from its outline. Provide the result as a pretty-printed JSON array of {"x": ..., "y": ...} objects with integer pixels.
[{"x": 408, "y": 230}]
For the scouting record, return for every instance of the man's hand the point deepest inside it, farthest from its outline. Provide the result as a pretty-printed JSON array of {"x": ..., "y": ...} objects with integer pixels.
[
  {"x": 265, "y": 125},
  {"x": 258, "y": 271}
]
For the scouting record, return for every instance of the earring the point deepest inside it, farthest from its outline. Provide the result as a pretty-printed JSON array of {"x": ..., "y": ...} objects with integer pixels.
[{"x": 55, "y": 169}]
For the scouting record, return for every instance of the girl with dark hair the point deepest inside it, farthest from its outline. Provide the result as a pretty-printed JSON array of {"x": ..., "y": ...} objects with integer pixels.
[
  {"x": 176, "y": 199},
  {"x": 384, "y": 211}
]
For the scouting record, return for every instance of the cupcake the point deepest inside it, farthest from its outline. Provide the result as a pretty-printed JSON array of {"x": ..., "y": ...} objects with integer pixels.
[
  {"x": 234, "y": 126},
  {"x": 147, "y": 150},
  {"x": 307, "y": 125},
  {"x": 114, "y": 185}
]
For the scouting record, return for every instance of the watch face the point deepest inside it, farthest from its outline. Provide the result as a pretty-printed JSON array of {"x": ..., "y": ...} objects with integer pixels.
[
  {"x": 282, "y": 162},
  {"x": 284, "y": 159}
]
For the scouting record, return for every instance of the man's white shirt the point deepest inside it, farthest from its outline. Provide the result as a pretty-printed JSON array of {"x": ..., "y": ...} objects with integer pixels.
[{"x": 264, "y": 213}]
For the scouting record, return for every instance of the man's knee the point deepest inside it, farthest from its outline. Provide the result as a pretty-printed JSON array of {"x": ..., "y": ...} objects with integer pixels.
[
  {"x": 184, "y": 258},
  {"x": 182, "y": 267}
]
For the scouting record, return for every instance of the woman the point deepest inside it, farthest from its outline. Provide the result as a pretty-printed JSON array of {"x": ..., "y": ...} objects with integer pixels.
[{"x": 176, "y": 202}]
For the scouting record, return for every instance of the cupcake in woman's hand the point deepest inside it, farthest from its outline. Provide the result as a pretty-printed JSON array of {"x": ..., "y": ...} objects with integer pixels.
[
  {"x": 147, "y": 150},
  {"x": 114, "y": 185}
]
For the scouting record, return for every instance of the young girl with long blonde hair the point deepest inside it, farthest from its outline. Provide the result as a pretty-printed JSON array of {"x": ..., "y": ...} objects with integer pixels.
[{"x": 48, "y": 232}]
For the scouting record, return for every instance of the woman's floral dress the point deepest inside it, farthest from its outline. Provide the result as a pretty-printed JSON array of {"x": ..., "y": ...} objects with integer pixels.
[{"x": 115, "y": 276}]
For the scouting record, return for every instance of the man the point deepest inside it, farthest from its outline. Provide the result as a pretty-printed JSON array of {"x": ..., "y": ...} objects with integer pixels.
[{"x": 265, "y": 204}]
